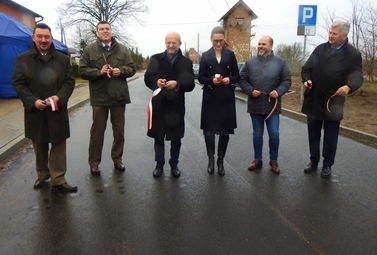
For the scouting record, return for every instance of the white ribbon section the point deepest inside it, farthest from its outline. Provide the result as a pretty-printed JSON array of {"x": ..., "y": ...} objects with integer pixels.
[
  {"x": 150, "y": 108},
  {"x": 54, "y": 104}
]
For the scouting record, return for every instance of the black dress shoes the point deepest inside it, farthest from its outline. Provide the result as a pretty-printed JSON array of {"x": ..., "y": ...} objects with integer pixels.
[
  {"x": 311, "y": 167},
  {"x": 158, "y": 171},
  {"x": 94, "y": 170},
  {"x": 326, "y": 172},
  {"x": 119, "y": 166},
  {"x": 175, "y": 171},
  {"x": 65, "y": 187},
  {"x": 39, "y": 184}
]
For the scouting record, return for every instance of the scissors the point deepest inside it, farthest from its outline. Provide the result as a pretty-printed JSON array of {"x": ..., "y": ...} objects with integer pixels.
[{"x": 108, "y": 66}]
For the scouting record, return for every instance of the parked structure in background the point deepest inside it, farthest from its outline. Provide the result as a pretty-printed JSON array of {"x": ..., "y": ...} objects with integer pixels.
[
  {"x": 193, "y": 55},
  {"x": 237, "y": 25},
  {"x": 20, "y": 12}
]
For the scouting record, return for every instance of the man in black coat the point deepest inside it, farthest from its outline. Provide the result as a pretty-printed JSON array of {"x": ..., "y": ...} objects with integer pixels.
[
  {"x": 333, "y": 70},
  {"x": 169, "y": 76},
  {"x": 43, "y": 79}
]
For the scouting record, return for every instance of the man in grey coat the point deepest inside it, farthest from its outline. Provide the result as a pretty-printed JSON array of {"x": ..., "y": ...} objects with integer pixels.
[
  {"x": 265, "y": 78},
  {"x": 43, "y": 79}
]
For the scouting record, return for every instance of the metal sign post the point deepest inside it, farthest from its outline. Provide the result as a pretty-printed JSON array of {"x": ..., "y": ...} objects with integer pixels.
[{"x": 307, "y": 19}]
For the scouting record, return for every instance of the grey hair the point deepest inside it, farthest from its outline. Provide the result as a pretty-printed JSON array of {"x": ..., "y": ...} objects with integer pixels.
[
  {"x": 218, "y": 30},
  {"x": 343, "y": 24}
]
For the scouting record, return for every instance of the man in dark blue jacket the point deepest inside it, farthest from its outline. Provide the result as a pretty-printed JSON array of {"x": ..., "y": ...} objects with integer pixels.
[
  {"x": 333, "y": 70},
  {"x": 265, "y": 78}
]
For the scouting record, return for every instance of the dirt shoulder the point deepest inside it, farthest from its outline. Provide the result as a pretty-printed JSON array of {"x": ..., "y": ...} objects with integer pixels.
[{"x": 359, "y": 109}]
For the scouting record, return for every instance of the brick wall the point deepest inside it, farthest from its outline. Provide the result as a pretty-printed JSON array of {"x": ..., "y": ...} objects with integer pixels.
[
  {"x": 25, "y": 18},
  {"x": 238, "y": 34}
]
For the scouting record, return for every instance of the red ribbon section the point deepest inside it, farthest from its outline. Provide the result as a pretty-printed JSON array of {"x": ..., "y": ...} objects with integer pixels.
[
  {"x": 273, "y": 109},
  {"x": 54, "y": 104},
  {"x": 328, "y": 103}
]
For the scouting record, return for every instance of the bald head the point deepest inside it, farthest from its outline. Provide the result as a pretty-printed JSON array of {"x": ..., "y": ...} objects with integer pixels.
[
  {"x": 268, "y": 38},
  {"x": 172, "y": 42},
  {"x": 265, "y": 45},
  {"x": 173, "y": 35}
]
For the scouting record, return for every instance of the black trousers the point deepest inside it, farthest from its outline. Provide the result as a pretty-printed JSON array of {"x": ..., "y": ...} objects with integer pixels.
[
  {"x": 330, "y": 140},
  {"x": 159, "y": 150}
]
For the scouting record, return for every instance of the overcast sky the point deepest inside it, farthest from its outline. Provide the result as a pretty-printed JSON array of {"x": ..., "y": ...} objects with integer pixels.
[{"x": 194, "y": 20}]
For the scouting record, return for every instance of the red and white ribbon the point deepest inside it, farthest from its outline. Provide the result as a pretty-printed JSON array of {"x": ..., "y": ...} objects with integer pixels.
[
  {"x": 150, "y": 109},
  {"x": 273, "y": 109},
  {"x": 53, "y": 103},
  {"x": 328, "y": 103}
]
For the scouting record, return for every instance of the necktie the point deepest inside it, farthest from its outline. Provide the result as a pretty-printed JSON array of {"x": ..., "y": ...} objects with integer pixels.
[{"x": 107, "y": 47}]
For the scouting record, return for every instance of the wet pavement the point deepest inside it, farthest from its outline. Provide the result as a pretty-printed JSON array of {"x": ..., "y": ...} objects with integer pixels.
[{"x": 241, "y": 213}]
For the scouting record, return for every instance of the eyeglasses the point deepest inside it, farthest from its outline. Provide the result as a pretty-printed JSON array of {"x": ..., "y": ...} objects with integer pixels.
[{"x": 218, "y": 41}]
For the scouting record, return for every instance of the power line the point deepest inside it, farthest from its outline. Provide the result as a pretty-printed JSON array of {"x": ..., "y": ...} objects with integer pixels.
[
  {"x": 212, "y": 8},
  {"x": 170, "y": 24},
  {"x": 227, "y": 4}
]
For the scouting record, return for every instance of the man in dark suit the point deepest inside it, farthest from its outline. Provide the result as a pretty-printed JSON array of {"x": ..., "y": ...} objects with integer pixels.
[
  {"x": 169, "y": 76},
  {"x": 43, "y": 79},
  {"x": 333, "y": 70}
]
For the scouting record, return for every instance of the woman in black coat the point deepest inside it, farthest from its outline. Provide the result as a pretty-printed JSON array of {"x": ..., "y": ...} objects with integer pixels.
[{"x": 218, "y": 72}]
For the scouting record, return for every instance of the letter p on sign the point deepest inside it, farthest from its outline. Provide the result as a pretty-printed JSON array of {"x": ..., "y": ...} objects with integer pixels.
[{"x": 307, "y": 15}]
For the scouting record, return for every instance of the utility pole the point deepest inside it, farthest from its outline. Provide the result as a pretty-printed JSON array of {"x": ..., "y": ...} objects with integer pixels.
[
  {"x": 198, "y": 45},
  {"x": 62, "y": 33},
  {"x": 303, "y": 62}
]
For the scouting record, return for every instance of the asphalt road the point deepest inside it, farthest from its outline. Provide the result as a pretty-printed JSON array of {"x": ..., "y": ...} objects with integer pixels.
[{"x": 241, "y": 213}]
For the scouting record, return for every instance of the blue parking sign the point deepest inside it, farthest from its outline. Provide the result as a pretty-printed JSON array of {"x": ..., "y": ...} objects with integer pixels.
[{"x": 307, "y": 15}]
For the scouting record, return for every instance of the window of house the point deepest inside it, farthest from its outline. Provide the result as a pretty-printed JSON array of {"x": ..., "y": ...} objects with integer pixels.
[{"x": 239, "y": 21}]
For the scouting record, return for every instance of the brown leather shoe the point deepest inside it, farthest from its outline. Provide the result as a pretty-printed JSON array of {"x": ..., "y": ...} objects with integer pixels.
[
  {"x": 275, "y": 167},
  {"x": 65, "y": 187},
  {"x": 39, "y": 183},
  {"x": 94, "y": 170},
  {"x": 255, "y": 164},
  {"x": 119, "y": 166}
]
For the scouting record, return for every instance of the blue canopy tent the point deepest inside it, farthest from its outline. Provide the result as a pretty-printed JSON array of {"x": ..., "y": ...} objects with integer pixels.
[{"x": 15, "y": 38}]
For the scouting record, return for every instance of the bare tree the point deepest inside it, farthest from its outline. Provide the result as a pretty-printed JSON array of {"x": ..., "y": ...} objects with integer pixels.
[
  {"x": 292, "y": 54},
  {"x": 368, "y": 35},
  {"x": 363, "y": 33},
  {"x": 356, "y": 21},
  {"x": 87, "y": 13},
  {"x": 83, "y": 36}
]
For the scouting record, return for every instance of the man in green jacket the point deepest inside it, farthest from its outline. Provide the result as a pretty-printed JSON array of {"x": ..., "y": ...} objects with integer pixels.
[
  {"x": 43, "y": 79},
  {"x": 107, "y": 64}
]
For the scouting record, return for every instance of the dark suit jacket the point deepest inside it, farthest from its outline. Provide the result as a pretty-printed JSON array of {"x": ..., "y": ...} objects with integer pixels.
[
  {"x": 36, "y": 78},
  {"x": 218, "y": 103},
  {"x": 328, "y": 73},
  {"x": 169, "y": 105}
]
